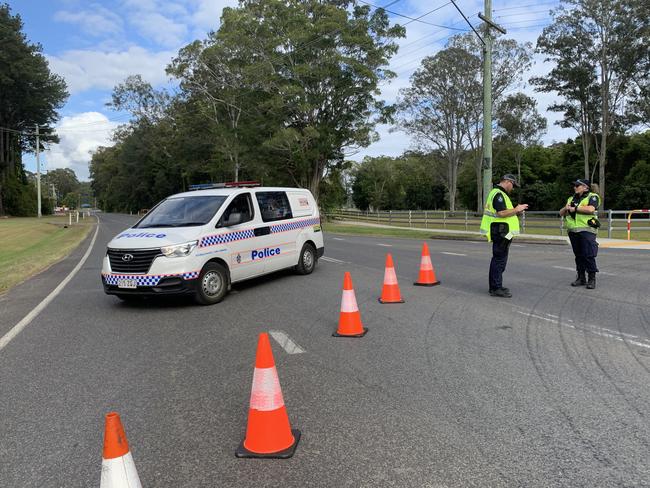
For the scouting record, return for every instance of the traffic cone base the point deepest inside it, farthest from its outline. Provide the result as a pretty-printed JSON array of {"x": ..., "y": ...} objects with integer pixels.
[
  {"x": 361, "y": 334},
  {"x": 242, "y": 452},
  {"x": 426, "y": 284},
  {"x": 380, "y": 300}
]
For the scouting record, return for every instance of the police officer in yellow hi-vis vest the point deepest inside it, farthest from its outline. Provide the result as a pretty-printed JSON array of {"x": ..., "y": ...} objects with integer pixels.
[
  {"x": 581, "y": 222},
  {"x": 500, "y": 224}
]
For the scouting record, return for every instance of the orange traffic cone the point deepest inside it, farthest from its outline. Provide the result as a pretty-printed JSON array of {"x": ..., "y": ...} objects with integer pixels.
[
  {"x": 268, "y": 434},
  {"x": 427, "y": 275},
  {"x": 390, "y": 293},
  {"x": 350, "y": 318},
  {"x": 118, "y": 469}
]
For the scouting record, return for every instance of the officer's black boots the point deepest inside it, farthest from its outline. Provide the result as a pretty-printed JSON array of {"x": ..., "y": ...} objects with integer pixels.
[
  {"x": 581, "y": 279},
  {"x": 591, "y": 283}
]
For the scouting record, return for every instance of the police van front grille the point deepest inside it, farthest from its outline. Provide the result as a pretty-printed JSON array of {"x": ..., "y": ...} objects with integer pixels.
[{"x": 139, "y": 263}]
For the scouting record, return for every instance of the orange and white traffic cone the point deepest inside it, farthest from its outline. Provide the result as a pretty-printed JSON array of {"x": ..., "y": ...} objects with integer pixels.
[
  {"x": 427, "y": 275},
  {"x": 350, "y": 317},
  {"x": 390, "y": 292},
  {"x": 118, "y": 468},
  {"x": 268, "y": 434}
]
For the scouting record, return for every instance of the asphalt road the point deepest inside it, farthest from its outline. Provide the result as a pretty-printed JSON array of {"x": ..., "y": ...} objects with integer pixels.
[{"x": 454, "y": 388}]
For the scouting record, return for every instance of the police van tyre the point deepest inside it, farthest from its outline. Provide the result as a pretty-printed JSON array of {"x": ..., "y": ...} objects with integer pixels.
[
  {"x": 212, "y": 285},
  {"x": 307, "y": 261}
]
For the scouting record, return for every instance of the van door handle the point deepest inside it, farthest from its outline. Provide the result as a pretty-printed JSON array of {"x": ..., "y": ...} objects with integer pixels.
[{"x": 262, "y": 231}]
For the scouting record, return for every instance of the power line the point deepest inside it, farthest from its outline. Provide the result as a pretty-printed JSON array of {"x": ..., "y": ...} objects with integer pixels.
[
  {"x": 412, "y": 19},
  {"x": 526, "y": 6}
]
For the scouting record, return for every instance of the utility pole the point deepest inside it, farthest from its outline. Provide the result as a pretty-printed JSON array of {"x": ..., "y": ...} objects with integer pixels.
[
  {"x": 38, "y": 172},
  {"x": 487, "y": 96}
]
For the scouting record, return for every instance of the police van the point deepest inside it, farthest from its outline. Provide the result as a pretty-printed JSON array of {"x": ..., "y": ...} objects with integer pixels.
[{"x": 201, "y": 241}]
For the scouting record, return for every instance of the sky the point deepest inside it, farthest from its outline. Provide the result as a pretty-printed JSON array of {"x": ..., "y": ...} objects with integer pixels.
[{"x": 96, "y": 45}]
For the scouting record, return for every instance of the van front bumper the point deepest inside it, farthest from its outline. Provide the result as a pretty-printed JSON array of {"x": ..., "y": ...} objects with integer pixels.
[{"x": 173, "y": 285}]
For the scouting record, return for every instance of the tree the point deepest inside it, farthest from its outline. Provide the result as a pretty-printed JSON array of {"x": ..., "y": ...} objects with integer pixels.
[
  {"x": 600, "y": 49},
  {"x": 29, "y": 95},
  {"x": 519, "y": 124},
  {"x": 309, "y": 69},
  {"x": 64, "y": 181},
  {"x": 438, "y": 106},
  {"x": 510, "y": 60}
]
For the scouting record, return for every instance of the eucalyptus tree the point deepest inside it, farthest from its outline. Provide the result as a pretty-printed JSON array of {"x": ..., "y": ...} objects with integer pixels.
[
  {"x": 438, "y": 107},
  {"x": 30, "y": 95},
  {"x": 302, "y": 74},
  {"x": 519, "y": 124},
  {"x": 600, "y": 48}
]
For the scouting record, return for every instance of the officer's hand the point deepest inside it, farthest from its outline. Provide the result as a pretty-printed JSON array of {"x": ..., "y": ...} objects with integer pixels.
[{"x": 521, "y": 207}]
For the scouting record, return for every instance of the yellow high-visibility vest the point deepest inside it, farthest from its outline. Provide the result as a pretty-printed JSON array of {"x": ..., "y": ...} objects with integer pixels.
[
  {"x": 579, "y": 224},
  {"x": 490, "y": 215}
]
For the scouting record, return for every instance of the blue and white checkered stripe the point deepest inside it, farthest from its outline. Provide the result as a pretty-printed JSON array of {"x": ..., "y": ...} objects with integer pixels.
[
  {"x": 293, "y": 225},
  {"x": 147, "y": 280},
  {"x": 217, "y": 239}
]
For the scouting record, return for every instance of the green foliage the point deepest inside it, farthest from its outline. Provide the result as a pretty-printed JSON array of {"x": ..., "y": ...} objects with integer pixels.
[
  {"x": 407, "y": 182},
  {"x": 29, "y": 95}
]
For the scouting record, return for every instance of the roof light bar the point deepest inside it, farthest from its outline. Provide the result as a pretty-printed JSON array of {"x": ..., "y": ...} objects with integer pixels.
[{"x": 229, "y": 184}]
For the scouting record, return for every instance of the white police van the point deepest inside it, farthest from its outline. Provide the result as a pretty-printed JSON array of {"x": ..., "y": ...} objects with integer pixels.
[{"x": 201, "y": 241}]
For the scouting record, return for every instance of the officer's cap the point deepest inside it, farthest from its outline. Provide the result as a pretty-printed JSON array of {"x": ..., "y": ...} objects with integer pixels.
[
  {"x": 510, "y": 177},
  {"x": 582, "y": 181}
]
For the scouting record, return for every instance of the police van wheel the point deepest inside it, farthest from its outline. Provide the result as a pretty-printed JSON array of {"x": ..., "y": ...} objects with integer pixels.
[
  {"x": 307, "y": 261},
  {"x": 212, "y": 285}
]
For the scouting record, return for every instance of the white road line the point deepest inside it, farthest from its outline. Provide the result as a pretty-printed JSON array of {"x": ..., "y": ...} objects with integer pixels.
[
  {"x": 564, "y": 267},
  {"x": 453, "y": 253},
  {"x": 573, "y": 269},
  {"x": 332, "y": 260},
  {"x": 599, "y": 331},
  {"x": 384, "y": 245},
  {"x": 27, "y": 319},
  {"x": 338, "y": 239},
  {"x": 285, "y": 341}
]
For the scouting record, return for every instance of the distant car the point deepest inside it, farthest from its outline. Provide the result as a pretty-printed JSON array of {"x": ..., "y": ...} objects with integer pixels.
[{"x": 199, "y": 242}]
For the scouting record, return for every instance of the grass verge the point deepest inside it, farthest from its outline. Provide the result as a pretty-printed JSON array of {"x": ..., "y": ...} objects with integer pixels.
[{"x": 30, "y": 245}]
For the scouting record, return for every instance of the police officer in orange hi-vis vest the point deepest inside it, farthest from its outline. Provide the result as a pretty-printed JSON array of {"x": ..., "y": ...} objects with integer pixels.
[{"x": 500, "y": 224}]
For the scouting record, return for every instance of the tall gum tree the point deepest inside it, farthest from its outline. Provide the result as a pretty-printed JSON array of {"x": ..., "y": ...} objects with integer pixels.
[
  {"x": 29, "y": 95},
  {"x": 311, "y": 70},
  {"x": 600, "y": 48}
]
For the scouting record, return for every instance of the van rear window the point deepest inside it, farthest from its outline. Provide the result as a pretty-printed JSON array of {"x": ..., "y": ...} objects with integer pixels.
[{"x": 274, "y": 205}]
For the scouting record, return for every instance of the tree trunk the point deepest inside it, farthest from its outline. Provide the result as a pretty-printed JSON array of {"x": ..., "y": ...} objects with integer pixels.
[{"x": 479, "y": 183}]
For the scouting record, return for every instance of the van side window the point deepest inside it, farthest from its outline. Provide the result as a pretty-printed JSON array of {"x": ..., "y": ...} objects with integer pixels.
[
  {"x": 239, "y": 211},
  {"x": 274, "y": 205}
]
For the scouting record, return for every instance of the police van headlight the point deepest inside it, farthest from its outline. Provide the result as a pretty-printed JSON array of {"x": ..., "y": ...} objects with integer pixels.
[{"x": 179, "y": 250}]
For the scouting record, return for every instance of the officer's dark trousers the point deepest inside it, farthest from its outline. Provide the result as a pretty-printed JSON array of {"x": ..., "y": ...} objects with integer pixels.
[
  {"x": 585, "y": 249},
  {"x": 500, "y": 248}
]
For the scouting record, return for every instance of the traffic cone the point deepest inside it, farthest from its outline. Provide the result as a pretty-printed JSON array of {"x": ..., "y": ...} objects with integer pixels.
[
  {"x": 268, "y": 434},
  {"x": 118, "y": 469},
  {"x": 390, "y": 293},
  {"x": 427, "y": 275},
  {"x": 350, "y": 318}
]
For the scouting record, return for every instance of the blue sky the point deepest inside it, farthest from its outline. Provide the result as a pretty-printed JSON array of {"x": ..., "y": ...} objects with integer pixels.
[{"x": 96, "y": 45}]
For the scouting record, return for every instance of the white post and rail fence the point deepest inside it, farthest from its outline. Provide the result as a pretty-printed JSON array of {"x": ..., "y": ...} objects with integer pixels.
[{"x": 614, "y": 222}]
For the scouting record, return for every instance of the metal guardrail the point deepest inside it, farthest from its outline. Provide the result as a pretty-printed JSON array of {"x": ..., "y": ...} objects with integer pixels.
[{"x": 471, "y": 221}]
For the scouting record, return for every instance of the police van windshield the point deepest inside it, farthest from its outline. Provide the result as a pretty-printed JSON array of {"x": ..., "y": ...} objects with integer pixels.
[{"x": 182, "y": 212}]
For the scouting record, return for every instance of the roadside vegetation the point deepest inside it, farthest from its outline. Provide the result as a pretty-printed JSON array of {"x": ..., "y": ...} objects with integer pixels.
[{"x": 30, "y": 245}]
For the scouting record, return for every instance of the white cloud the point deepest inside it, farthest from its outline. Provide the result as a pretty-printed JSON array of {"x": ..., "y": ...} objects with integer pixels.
[
  {"x": 208, "y": 13},
  {"x": 88, "y": 69},
  {"x": 160, "y": 29},
  {"x": 96, "y": 22},
  {"x": 79, "y": 135}
]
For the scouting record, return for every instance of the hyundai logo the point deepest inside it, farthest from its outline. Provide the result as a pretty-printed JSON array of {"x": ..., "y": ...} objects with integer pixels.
[{"x": 127, "y": 257}]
